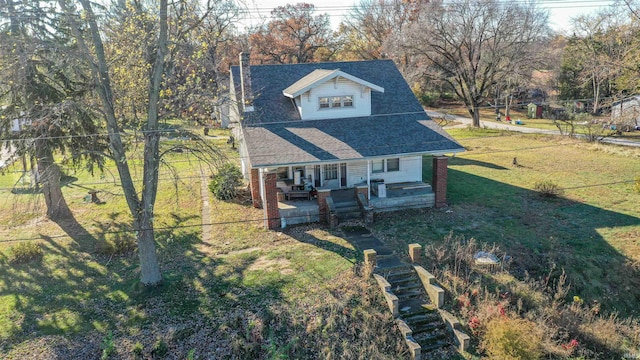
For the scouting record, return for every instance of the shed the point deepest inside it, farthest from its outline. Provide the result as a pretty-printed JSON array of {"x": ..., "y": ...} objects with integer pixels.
[{"x": 534, "y": 111}]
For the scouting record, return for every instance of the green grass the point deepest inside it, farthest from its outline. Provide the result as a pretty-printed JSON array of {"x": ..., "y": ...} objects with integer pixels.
[
  {"x": 489, "y": 115},
  {"x": 300, "y": 293},
  {"x": 248, "y": 292},
  {"x": 591, "y": 231}
]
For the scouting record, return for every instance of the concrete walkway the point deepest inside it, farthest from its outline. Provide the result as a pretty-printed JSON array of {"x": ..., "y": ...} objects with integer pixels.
[
  {"x": 362, "y": 239},
  {"x": 206, "y": 207},
  {"x": 465, "y": 122}
]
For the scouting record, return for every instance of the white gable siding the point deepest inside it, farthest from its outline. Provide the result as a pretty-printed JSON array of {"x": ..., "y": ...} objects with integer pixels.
[{"x": 309, "y": 106}]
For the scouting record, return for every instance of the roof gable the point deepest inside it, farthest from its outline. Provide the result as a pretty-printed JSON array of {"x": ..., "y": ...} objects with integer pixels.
[
  {"x": 320, "y": 76},
  {"x": 268, "y": 81}
]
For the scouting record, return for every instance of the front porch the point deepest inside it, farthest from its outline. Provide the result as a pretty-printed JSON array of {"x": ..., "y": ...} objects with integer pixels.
[
  {"x": 399, "y": 196},
  {"x": 405, "y": 195},
  {"x": 360, "y": 199}
]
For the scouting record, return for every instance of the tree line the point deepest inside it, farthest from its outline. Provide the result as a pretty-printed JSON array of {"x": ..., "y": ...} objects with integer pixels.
[{"x": 79, "y": 78}]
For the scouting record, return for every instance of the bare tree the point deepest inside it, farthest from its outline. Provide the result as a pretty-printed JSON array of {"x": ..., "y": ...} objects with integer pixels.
[
  {"x": 160, "y": 58},
  {"x": 295, "y": 35},
  {"x": 364, "y": 33},
  {"x": 474, "y": 44}
]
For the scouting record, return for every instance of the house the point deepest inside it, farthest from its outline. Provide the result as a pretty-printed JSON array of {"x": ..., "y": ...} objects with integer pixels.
[
  {"x": 343, "y": 128},
  {"x": 626, "y": 113}
]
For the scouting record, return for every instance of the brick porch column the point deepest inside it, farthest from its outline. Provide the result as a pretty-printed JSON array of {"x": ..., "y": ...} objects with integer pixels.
[
  {"x": 254, "y": 183},
  {"x": 271, "y": 212},
  {"x": 440, "y": 180},
  {"x": 323, "y": 208},
  {"x": 364, "y": 190}
]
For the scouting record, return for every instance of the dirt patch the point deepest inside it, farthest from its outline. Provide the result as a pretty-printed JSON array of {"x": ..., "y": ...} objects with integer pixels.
[
  {"x": 239, "y": 252},
  {"x": 262, "y": 263}
]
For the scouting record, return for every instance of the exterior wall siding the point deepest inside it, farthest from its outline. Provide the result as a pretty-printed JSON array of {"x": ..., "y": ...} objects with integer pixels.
[
  {"x": 410, "y": 170},
  {"x": 310, "y": 108}
]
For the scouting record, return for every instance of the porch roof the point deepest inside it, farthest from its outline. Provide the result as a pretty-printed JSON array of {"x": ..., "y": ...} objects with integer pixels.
[{"x": 345, "y": 139}]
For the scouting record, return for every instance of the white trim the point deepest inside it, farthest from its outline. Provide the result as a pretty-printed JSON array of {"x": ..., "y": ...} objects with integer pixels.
[
  {"x": 432, "y": 153},
  {"x": 329, "y": 76}
]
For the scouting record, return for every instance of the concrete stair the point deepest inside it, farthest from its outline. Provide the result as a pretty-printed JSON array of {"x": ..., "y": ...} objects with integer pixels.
[
  {"x": 427, "y": 326},
  {"x": 347, "y": 210},
  {"x": 346, "y": 205}
]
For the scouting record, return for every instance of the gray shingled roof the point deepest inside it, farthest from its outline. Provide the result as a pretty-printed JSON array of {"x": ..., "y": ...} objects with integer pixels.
[
  {"x": 334, "y": 140},
  {"x": 275, "y": 135}
]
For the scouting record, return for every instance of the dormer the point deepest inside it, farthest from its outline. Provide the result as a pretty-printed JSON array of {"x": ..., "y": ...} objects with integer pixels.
[{"x": 329, "y": 94}]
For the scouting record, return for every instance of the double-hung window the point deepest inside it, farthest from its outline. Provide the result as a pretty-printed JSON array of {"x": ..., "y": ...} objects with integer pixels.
[
  {"x": 331, "y": 171},
  {"x": 385, "y": 165},
  {"x": 335, "y": 102}
]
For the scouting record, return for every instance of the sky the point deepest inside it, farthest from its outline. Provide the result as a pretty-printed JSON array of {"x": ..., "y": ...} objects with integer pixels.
[{"x": 560, "y": 11}]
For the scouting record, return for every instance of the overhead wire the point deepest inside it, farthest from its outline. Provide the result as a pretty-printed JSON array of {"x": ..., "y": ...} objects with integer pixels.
[{"x": 246, "y": 221}]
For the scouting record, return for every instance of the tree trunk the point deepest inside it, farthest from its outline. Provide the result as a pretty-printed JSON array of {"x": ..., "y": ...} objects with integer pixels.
[
  {"x": 141, "y": 210},
  {"x": 49, "y": 177},
  {"x": 149, "y": 267},
  {"x": 476, "y": 116}
]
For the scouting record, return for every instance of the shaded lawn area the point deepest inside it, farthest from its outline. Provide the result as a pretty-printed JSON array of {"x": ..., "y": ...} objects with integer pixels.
[
  {"x": 592, "y": 231},
  {"x": 247, "y": 293}
]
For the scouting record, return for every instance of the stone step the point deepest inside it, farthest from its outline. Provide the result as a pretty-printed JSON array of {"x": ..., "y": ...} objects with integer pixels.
[
  {"x": 399, "y": 273},
  {"x": 405, "y": 280},
  {"x": 415, "y": 312},
  {"x": 423, "y": 320},
  {"x": 411, "y": 295},
  {"x": 346, "y": 205},
  {"x": 407, "y": 288},
  {"x": 425, "y": 349},
  {"x": 349, "y": 215},
  {"x": 430, "y": 336}
]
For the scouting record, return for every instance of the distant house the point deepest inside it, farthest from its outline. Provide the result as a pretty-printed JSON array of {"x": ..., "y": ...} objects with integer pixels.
[
  {"x": 313, "y": 136},
  {"x": 626, "y": 112}
]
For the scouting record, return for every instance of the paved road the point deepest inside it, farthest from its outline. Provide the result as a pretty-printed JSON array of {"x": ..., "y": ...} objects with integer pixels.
[{"x": 519, "y": 128}]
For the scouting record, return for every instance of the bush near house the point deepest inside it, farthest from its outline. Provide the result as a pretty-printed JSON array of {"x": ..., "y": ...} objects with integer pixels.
[{"x": 224, "y": 185}]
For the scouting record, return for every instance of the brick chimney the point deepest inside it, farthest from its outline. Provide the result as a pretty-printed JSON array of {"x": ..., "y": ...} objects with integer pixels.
[{"x": 245, "y": 81}]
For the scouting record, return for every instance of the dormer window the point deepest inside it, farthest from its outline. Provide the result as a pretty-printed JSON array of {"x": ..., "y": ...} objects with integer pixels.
[
  {"x": 335, "y": 102},
  {"x": 322, "y": 90}
]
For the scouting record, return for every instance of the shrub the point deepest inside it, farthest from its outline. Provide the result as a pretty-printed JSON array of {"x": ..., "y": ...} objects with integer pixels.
[
  {"x": 224, "y": 185},
  {"x": 508, "y": 338},
  {"x": 117, "y": 244},
  {"x": 548, "y": 189},
  {"x": 160, "y": 348},
  {"x": 108, "y": 347},
  {"x": 138, "y": 349},
  {"x": 26, "y": 252}
]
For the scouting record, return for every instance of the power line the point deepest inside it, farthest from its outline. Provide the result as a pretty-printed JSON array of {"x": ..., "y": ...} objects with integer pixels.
[
  {"x": 467, "y": 153},
  {"x": 245, "y": 221}
]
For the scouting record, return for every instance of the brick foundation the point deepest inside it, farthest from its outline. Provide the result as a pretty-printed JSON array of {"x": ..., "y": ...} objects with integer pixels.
[
  {"x": 271, "y": 212},
  {"x": 254, "y": 183},
  {"x": 440, "y": 180},
  {"x": 364, "y": 190},
  {"x": 323, "y": 208}
]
